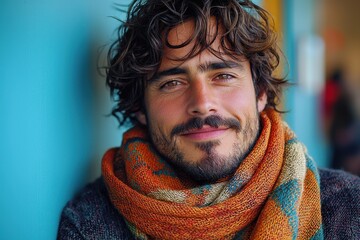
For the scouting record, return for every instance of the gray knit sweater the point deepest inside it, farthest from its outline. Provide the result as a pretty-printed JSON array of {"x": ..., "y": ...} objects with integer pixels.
[{"x": 90, "y": 215}]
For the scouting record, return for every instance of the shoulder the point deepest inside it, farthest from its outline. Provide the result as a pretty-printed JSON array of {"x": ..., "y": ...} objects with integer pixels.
[
  {"x": 340, "y": 204},
  {"x": 338, "y": 183},
  {"x": 90, "y": 215}
]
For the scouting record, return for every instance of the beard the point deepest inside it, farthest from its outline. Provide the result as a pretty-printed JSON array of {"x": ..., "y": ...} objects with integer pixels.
[{"x": 212, "y": 166}]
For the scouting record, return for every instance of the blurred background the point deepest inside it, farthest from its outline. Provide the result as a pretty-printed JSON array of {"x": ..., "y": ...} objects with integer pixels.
[{"x": 54, "y": 104}]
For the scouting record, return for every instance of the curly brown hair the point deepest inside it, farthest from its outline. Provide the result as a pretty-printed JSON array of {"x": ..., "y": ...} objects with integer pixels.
[{"x": 136, "y": 55}]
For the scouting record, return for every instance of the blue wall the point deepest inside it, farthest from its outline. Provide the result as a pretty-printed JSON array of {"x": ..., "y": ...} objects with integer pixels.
[
  {"x": 304, "y": 106},
  {"x": 53, "y": 128}
]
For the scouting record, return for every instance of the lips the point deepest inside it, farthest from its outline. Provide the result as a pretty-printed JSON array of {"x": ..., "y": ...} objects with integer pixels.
[{"x": 205, "y": 133}]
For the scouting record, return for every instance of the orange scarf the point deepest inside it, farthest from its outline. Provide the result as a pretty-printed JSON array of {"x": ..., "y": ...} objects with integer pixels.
[{"x": 274, "y": 194}]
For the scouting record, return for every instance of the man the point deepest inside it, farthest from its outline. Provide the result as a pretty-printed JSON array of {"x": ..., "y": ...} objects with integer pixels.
[{"x": 209, "y": 156}]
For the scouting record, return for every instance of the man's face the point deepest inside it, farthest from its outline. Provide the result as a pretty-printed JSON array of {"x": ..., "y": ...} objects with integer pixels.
[{"x": 202, "y": 114}]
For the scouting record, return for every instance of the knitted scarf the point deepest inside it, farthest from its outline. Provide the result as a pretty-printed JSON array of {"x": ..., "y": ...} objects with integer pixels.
[{"x": 274, "y": 193}]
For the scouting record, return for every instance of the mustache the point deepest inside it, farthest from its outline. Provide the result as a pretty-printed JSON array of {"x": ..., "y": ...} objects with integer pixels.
[{"x": 214, "y": 121}]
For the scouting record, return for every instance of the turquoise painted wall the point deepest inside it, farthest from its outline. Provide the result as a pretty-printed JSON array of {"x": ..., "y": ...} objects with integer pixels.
[
  {"x": 304, "y": 106},
  {"x": 53, "y": 128}
]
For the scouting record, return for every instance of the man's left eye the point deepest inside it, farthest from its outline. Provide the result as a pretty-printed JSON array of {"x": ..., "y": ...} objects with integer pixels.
[{"x": 224, "y": 77}]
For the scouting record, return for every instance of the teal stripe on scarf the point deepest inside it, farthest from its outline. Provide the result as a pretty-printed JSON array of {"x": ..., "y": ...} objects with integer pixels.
[
  {"x": 319, "y": 235},
  {"x": 310, "y": 164},
  {"x": 286, "y": 196}
]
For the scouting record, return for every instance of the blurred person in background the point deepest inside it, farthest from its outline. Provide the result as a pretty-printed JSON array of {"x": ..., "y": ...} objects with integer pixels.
[
  {"x": 208, "y": 155},
  {"x": 343, "y": 125}
]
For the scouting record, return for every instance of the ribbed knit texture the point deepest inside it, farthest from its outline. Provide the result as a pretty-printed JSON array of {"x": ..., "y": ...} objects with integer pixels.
[
  {"x": 274, "y": 194},
  {"x": 91, "y": 215}
]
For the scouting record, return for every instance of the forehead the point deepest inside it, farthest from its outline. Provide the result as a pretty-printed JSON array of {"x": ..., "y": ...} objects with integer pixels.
[{"x": 182, "y": 33}]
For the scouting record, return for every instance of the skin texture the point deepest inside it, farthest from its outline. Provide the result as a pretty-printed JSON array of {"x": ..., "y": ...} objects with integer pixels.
[{"x": 202, "y": 113}]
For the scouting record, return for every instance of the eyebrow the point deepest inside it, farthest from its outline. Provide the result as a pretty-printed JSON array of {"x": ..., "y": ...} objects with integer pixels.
[
  {"x": 219, "y": 65},
  {"x": 208, "y": 66}
]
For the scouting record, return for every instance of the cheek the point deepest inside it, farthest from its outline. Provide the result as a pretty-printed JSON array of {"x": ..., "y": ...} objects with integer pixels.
[
  {"x": 241, "y": 102},
  {"x": 163, "y": 114}
]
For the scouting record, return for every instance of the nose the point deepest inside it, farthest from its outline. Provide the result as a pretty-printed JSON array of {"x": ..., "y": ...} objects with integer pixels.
[{"x": 202, "y": 99}]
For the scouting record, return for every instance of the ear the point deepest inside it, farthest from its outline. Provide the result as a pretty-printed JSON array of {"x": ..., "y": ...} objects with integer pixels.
[
  {"x": 140, "y": 116},
  {"x": 261, "y": 101}
]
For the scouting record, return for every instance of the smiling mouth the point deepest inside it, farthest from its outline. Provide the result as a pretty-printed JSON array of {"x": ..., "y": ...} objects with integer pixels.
[{"x": 205, "y": 133}]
